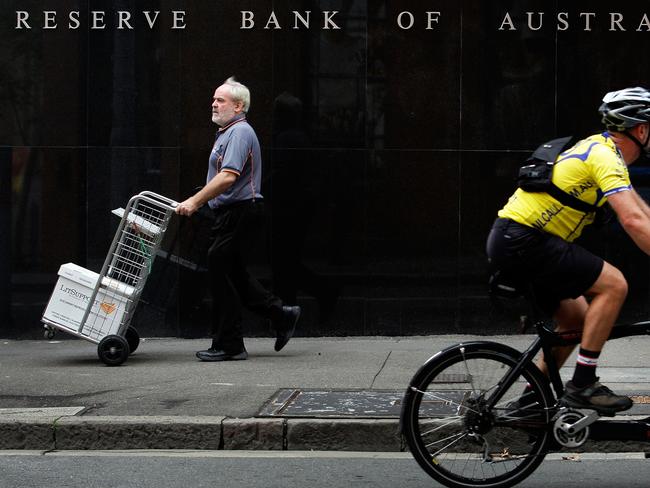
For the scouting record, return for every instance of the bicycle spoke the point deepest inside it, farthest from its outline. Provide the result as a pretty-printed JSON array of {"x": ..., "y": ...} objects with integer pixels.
[
  {"x": 469, "y": 375},
  {"x": 459, "y": 437},
  {"x": 452, "y": 421},
  {"x": 447, "y": 400},
  {"x": 512, "y": 418}
]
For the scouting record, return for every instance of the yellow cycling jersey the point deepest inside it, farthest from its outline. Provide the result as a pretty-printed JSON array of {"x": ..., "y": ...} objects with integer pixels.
[{"x": 591, "y": 170}]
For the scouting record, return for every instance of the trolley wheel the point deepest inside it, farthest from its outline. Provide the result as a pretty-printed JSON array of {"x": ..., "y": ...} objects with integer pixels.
[
  {"x": 133, "y": 338},
  {"x": 49, "y": 333},
  {"x": 113, "y": 350}
]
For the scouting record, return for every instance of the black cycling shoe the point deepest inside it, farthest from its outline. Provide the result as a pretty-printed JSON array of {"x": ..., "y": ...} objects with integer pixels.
[
  {"x": 525, "y": 401},
  {"x": 522, "y": 411},
  {"x": 526, "y": 410},
  {"x": 595, "y": 397}
]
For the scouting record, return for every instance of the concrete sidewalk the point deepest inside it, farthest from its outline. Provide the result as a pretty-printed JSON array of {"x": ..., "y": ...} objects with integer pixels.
[{"x": 58, "y": 395}]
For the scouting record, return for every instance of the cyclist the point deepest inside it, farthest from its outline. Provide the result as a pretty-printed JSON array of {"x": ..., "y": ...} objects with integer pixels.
[{"x": 531, "y": 241}]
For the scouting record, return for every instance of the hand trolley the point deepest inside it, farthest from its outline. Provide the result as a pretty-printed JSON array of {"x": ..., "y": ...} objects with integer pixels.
[{"x": 99, "y": 307}]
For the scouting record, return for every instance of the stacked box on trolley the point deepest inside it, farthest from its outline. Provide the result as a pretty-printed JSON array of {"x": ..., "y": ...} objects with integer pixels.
[{"x": 71, "y": 297}]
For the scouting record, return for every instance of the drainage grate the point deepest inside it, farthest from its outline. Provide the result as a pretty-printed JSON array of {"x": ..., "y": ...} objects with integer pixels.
[
  {"x": 353, "y": 403},
  {"x": 378, "y": 404}
]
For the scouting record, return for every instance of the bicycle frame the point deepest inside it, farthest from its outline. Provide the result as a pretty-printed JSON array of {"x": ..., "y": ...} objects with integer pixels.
[{"x": 547, "y": 339}]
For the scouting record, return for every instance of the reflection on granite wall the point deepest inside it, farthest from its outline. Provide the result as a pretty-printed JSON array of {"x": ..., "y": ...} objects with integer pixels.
[{"x": 391, "y": 136}]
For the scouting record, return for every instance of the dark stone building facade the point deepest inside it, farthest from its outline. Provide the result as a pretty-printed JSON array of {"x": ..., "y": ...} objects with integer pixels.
[{"x": 391, "y": 134}]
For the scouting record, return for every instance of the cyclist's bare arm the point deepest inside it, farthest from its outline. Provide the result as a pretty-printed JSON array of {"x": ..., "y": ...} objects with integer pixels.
[
  {"x": 644, "y": 206},
  {"x": 634, "y": 215}
]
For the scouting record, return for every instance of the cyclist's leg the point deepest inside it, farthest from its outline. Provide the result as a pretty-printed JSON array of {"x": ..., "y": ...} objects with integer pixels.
[
  {"x": 584, "y": 391},
  {"x": 609, "y": 292},
  {"x": 570, "y": 315}
]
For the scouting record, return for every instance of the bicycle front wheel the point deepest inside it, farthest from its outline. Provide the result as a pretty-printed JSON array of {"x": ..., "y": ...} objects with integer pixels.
[{"x": 465, "y": 428}]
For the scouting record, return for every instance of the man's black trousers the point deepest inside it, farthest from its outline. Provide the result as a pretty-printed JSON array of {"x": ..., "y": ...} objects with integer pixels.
[{"x": 237, "y": 232}]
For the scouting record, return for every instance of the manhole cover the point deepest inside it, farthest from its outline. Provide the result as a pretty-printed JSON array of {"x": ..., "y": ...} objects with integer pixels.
[{"x": 354, "y": 403}]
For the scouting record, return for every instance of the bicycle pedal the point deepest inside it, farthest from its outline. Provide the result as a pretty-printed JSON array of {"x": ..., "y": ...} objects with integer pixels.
[{"x": 571, "y": 426}]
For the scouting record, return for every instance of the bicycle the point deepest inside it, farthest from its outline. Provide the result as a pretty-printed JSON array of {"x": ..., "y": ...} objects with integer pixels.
[{"x": 468, "y": 422}]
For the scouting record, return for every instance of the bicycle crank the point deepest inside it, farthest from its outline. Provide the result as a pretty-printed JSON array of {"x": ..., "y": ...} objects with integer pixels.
[{"x": 571, "y": 427}]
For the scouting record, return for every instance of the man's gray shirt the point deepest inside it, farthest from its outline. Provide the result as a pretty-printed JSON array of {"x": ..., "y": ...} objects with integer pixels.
[{"x": 237, "y": 151}]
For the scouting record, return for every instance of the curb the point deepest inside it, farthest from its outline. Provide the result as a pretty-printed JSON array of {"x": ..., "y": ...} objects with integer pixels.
[
  {"x": 213, "y": 433},
  {"x": 222, "y": 433}
]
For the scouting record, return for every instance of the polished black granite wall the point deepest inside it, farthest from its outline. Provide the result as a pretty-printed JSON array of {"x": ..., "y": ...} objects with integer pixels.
[{"x": 387, "y": 151}]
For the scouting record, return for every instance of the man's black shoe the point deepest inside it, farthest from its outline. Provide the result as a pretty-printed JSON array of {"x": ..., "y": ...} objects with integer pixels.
[
  {"x": 220, "y": 355},
  {"x": 596, "y": 397},
  {"x": 287, "y": 326}
]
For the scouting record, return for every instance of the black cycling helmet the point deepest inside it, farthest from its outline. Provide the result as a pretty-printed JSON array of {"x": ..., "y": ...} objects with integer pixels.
[{"x": 625, "y": 108}]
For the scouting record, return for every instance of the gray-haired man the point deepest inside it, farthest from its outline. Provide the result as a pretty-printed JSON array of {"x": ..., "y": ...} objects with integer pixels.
[{"x": 233, "y": 193}]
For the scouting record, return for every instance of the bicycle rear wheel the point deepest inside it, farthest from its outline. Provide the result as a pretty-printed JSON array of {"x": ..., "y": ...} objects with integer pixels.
[{"x": 453, "y": 433}]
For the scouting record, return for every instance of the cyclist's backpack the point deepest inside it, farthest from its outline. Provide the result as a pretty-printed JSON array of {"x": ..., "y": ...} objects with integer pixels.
[{"x": 535, "y": 176}]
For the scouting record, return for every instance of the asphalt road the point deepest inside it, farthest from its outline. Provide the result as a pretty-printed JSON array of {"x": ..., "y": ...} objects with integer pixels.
[{"x": 234, "y": 469}]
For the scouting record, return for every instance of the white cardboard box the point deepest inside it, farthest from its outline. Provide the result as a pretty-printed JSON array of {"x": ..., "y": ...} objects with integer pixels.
[{"x": 71, "y": 297}]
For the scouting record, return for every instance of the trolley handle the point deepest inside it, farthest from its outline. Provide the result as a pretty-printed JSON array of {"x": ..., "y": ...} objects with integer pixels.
[{"x": 162, "y": 199}]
